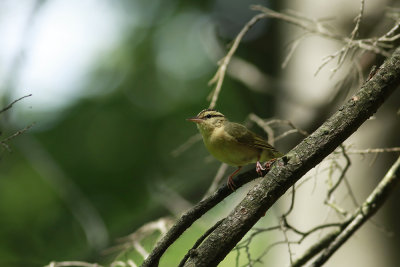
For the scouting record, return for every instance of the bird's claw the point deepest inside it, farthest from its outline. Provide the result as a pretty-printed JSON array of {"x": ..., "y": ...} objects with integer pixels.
[
  {"x": 259, "y": 168},
  {"x": 231, "y": 184},
  {"x": 269, "y": 163}
]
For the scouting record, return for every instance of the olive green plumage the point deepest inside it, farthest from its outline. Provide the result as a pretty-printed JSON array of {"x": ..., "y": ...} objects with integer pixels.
[{"x": 233, "y": 143}]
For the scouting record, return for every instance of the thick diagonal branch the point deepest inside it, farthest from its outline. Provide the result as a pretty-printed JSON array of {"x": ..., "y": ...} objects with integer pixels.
[
  {"x": 301, "y": 159},
  {"x": 190, "y": 216}
]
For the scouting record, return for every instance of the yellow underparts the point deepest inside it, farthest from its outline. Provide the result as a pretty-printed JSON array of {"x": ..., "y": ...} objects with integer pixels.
[{"x": 226, "y": 149}]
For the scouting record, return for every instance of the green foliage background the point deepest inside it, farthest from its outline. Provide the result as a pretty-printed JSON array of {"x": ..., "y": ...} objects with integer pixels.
[
  {"x": 114, "y": 143},
  {"x": 101, "y": 160}
]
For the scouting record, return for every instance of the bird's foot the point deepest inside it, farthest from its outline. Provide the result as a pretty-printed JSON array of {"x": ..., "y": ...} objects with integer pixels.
[
  {"x": 259, "y": 168},
  {"x": 230, "y": 183},
  {"x": 269, "y": 163}
]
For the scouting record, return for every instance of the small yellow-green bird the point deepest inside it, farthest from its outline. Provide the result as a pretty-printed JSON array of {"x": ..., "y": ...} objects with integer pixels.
[{"x": 233, "y": 143}]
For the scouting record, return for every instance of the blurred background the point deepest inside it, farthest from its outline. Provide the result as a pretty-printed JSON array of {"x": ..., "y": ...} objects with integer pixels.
[{"x": 112, "y": 83}]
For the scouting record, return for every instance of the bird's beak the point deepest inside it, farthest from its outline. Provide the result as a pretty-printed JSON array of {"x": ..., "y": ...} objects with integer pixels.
[{"x": 195, "y": 119}]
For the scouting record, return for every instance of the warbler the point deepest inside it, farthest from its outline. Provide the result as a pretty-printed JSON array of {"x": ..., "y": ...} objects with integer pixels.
[{"x": 233, "y": 143}]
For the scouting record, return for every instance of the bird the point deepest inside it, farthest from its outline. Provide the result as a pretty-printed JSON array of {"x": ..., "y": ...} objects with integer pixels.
[{"x": 233, "y": 144}]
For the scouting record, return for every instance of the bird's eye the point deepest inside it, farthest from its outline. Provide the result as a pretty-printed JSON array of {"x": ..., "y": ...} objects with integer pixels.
[{"x": 208, "y": 116}]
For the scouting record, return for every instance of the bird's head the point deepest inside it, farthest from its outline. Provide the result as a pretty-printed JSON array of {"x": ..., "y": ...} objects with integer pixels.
[{"x": 208, "y": 119}]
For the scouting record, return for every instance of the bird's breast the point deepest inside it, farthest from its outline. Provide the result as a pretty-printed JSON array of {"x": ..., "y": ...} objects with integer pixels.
[{"x": 225, "y": 148}]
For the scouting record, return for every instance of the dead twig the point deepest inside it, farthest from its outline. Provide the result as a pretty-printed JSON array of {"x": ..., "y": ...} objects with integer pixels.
[
  {"x": 223, "y": 64},
  {"x": 12, "y": 103}
]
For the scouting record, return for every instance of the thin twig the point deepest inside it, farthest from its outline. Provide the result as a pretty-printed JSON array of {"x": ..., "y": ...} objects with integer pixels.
[
  {"x": 315, "y": 248},
  {"x": 223, "y": 65},
  {"x": 354, "y": 33},
  {"x": 255, "y": 232},
  {"x": 292, "y": 49},
  {"x": 373, "y": 150},
  {"x": 283, "y": 135},
  {"x": 315, "y": 27},
  {"x": 161, "y": 225},
  {"x": 5, "y": 140},
  {"x": 341, "y": 177},
  {"x": 284, "y": 229},
  {"x": 72, "y": 263},
  {"x": 375, "y": 200},
  {"x": 217, "y": 179},
  {"x": 265, "y": 126},
  {"x": 351, "y": 193},
  {"x": 267, "y": 250},
  {"x": 12, "y": 103},
  {"x": 292, "y": 202},
  {"x": 185, "y": 146}
]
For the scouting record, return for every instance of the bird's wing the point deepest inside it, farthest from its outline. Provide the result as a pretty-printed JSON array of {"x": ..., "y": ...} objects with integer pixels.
[{"x": 245, "y": 136}]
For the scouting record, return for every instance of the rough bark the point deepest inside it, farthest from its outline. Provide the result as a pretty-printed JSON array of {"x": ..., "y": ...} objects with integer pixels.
[
  {"x": 311, "y": 151},
  {"x": 190, "y": 216}
]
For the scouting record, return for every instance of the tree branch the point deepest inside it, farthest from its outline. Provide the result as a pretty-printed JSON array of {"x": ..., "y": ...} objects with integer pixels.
[
  {"x": 330, "y": 241},
  {"x": 223, "y": 64},
  {"x": 12, "y": 103},
  {"x": 301, "y": 159},
  {"x": 189, "y": 217},
  {"x": 7, "y": 139},
  {"x": 316, "y": 248},
  {"x": 369, "y": 207},
  {"x": 199, "y": 241}
]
